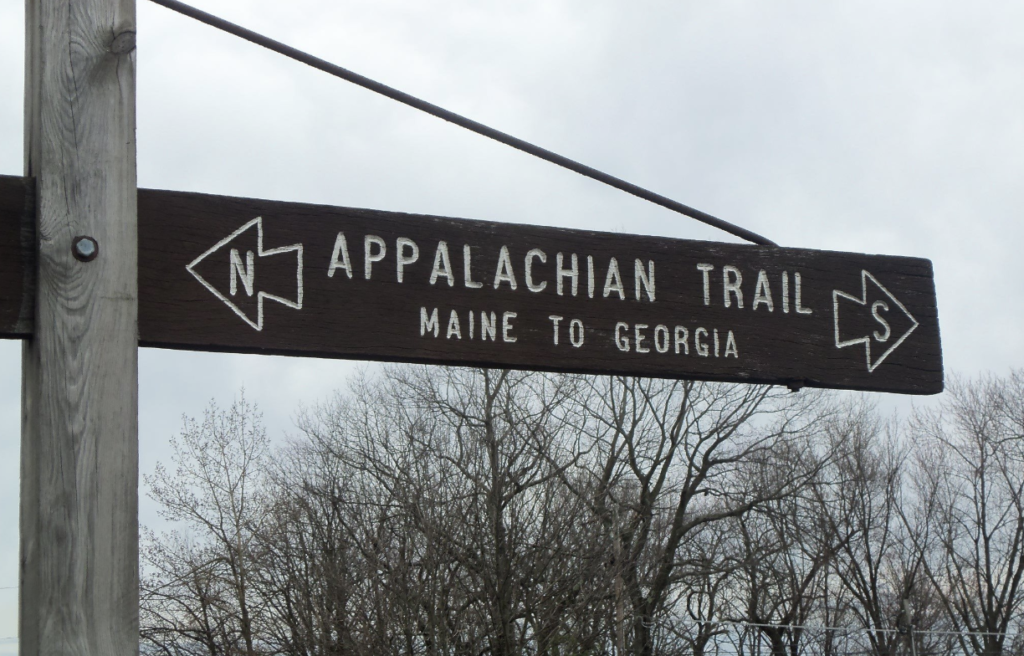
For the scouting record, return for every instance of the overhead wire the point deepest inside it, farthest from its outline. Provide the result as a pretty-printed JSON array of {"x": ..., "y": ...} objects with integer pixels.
[
  {"x": 851, "y": 630},
  {"x": 461, "y": 121}
]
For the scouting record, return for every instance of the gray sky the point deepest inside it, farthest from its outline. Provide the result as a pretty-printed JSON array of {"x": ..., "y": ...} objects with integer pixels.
[{"x": 870, "y": 126}]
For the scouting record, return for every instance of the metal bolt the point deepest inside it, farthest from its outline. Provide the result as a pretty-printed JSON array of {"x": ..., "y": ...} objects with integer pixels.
[{"x": 85, "y": 249}]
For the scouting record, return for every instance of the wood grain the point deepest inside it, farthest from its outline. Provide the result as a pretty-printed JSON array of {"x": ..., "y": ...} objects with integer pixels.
[
  {"x": 79, "y": 470},
  {"x": 378, "y": 319},
  {"x": 791, "y": 341}
]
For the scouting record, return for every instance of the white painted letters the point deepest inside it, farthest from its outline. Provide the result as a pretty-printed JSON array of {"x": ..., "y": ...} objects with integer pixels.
[
  {"x": 572, "y": 272},
  {"x": 467, "y": 268},
  {"x": 706, "y": 269},
  {"x": 428, "y": 324},
  {"x": 590, "y": 276},
  {"x": 732, "y": 289},
  {"x": 622, "y": 341},
  {"x": 246, "y": 271},
  {"x": 488, "y": 326},
  {"x": 504, "y": 272},
  {"x": 882, "y": 337},
  {"x": 645, "y": 279},
  {"x": 730, "y": 346},
  {"x": 576, "y": 333},
  {"x": 731, "y": 280},
  {"x": 442, "y": 265},
  {"x": 762, "y": 292},
  {"x": 698, "y": 342},
  {"x": 534, "y": 253},
  {"x": 613, "y": 281},
  {"x": 554, "y": 323},
  {"x": 369, "y": 257},
  {"x": 506, "y": 327},
  {"x": 638, "y": 338},
  {"x": 340, "y": 250},
  {"x": 661, "y": 341},
  {"x": 797, "y": 300},
  {"x": 453, "y": 326},
  {"x": 401, "y": 259},
  {"x": 681, "y": 335},
  {"x": 707, "y": 342}
]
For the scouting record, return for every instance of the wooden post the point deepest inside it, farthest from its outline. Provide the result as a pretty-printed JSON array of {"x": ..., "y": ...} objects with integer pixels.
[{"x": 79, "y": 462}]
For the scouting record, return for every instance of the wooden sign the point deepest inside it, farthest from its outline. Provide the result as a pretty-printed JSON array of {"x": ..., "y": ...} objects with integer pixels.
[
  {"x": 254, "y": 276},
  {"x": 17, "y": 246}
]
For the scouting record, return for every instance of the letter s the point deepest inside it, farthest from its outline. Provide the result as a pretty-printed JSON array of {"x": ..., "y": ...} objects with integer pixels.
[{"x": 884, "y": 337}]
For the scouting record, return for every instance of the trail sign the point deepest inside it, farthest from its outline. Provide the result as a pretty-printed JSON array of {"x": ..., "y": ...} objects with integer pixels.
[{"x": 255, "y": 276}]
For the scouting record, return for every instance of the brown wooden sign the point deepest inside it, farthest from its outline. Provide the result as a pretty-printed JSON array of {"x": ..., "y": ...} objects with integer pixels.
[{"x": 254, "y": 276}]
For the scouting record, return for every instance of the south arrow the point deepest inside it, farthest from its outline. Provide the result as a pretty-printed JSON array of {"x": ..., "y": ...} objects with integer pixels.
[{"x": 875, "y": 319}]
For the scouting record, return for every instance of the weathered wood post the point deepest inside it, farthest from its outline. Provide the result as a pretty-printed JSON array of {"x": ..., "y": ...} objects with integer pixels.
[{"x": 79, "y": 462}]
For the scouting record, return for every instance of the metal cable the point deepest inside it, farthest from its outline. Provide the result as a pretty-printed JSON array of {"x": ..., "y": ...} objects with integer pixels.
[
  {"x": 461, "y": 121},
  {"x": 850, "y": 630}
]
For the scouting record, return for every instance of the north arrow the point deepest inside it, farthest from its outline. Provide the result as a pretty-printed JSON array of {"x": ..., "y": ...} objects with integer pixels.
[
  {"x": 233, "y": 260},
  {"x": 874, "y": 318}
]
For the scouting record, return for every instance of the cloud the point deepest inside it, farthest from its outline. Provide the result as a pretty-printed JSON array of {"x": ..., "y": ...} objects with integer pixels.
[{"x": 875, "y": 127}]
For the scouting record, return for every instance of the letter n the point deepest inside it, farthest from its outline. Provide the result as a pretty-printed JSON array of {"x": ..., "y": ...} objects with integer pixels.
[{"x": 246, "y": 271}]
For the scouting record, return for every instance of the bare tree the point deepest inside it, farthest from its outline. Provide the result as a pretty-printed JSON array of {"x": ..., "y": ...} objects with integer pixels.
[
  {"x": 665, "y": 464},
  {"x": 707, "y": 563},
  {"x": 786, "y": 549},
  {"x": 199, "y": 582},
  {"x": 455, "y": 511},
  {"x": 484, "y": 551},
  {"x": 969, "y": 521},
  {"x": 876, "y": 563},
  {"x": 185, "y": 607},
  {"x": 310, "y": 569}
]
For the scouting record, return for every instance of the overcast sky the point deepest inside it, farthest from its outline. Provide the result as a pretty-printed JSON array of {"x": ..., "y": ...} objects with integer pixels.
[{"x": 873, "y": 126}]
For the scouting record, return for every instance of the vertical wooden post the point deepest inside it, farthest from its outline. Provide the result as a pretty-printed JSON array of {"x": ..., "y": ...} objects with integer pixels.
[{"x": 79, "y": 467}]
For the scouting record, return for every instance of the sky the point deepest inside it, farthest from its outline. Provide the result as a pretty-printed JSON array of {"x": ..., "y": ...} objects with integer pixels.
[{"x": 870, "y": 126}]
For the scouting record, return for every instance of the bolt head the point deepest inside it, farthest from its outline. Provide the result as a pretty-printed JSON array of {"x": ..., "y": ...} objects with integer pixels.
[{"x": 85, "y": 249}]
